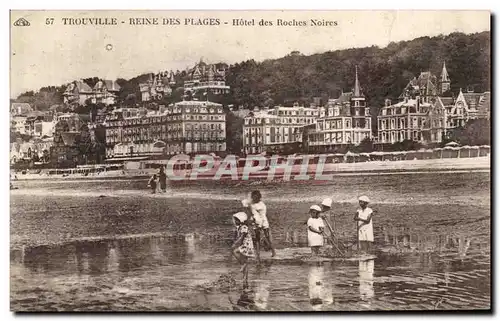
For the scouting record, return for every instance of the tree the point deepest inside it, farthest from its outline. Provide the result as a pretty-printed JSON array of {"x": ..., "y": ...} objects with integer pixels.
[
  {"x": 475, "y": 132},
  {"x": 234, "y": 133},
  {"x": 365, "y": 146}
]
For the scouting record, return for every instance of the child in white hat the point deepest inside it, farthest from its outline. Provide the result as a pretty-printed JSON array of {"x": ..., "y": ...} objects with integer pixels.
[
  {"x": 365, "y": 225},
  {"x": 242, "y": 248},
  {"x": 315, "y": 228}
]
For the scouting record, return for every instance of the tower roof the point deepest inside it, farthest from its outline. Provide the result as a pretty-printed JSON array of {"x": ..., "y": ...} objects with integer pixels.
[
  {"x": 444, "y": 74},
  {"x": 357, "y": 87}
]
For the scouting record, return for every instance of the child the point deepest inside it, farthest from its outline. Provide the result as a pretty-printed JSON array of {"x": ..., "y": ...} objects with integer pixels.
[
  {"x": 258, "y": 211},
  {"x": 315, "y": 227},
  {"x": 242, "y": 248},
  {"x": 365, "y": 227},
  {"x": 152, "y": 183}
]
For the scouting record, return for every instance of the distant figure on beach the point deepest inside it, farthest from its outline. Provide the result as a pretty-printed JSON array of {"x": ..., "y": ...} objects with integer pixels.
[
  {"x": 364, "y": 221},
  {"x": 326, "y": 206},
  {"x": 326, "y": 215},
  {"x": 152, "y": 183},
  {"x": 315, "y": 229},
  {"x": 258, "y": 212},
  {"x": 162, "y": 178},
  {"x": 243, "y": 248}
]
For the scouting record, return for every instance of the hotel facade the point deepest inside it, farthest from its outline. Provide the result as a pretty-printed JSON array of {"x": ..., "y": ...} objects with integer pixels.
[
  {"x": 269, "y": 130},
  {"x": 343, "y": 121},
  {"x": 424, "y": 115},
  {"x": 185, "y": 127}
]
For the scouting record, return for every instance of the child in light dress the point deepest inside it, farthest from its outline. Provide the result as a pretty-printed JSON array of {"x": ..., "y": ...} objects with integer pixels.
[
  {"x": 363, "y": 217},
  {"x": 242, "y": 248},
  {"x": 315, "y": 229}
]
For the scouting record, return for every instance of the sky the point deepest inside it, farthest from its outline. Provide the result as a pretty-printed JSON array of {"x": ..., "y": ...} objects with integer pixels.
[{"x": 50, "y": 53}]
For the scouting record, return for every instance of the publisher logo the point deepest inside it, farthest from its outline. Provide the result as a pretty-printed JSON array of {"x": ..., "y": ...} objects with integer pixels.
[{"x": 21, "y": 22}]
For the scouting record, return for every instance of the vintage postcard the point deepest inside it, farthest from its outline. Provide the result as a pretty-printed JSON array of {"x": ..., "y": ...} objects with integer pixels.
[{"x": 250, "y": 161}]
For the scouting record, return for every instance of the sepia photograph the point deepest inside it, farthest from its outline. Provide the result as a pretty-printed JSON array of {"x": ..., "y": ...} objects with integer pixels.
[{"x": 250, "y": 161}]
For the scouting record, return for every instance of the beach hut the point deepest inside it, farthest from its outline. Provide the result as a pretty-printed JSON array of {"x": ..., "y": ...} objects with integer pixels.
[
  {"x": 484, "y": 150},
  {"x": 474, "y": 151},
  {"x": 450, "y": 152},
  {"x": 377, "y": 156},
  {"x": 437, "y": 153},
  {"x": 364, "y": 157},
  {"x": 351, "y": 157},
  {"x": 452, "y": 144}
]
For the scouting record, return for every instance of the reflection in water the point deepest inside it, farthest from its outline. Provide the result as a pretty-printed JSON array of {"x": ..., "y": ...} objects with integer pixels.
[
  {"x": 320, "y": 293},
  {"x": 102, "y": 256},
  {"x": 403, "y": 238},
  {"x": 113, "y": 258},
  {"x": 262, "y": 294},
  {"x": 402, "y": 280},
  {"x": 246, "y": 300},
  {"x": 366, "y": 270}
]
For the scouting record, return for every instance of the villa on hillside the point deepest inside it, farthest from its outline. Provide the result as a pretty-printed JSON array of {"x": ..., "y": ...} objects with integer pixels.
[
  {"x": 424, "y": 115},
  {"x": 79, "y": 93}
]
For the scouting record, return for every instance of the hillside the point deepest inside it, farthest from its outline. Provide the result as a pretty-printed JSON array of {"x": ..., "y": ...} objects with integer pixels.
[{"x": 383, "y": 72}]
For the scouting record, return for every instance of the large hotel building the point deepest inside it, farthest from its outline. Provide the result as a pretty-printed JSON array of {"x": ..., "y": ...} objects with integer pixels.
[
  {"x": 269, "y": 130},
  {"x": 344, "y": 121},
  {"x": 183, "y": 127},
  {"x": 424, "y": 115}
]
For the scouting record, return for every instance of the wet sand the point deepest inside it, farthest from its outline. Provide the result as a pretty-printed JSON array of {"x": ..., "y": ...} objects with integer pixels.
[{"x": 91, "y": 246}]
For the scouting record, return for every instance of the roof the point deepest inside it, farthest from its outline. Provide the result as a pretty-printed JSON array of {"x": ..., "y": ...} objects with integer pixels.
[
  {"x": 297, "y": 108},
  {"x": 444, "y": 74},
  {"x": 357, "y": 87},
  {"x": 425, "y": 81},
  {"x": 110, "y": 85},
  {"x": 344, "y": 97},
  {"x": 484, "y": 106},
  {"x": 411, "y": 104},
  {"x": 472, "y": 98},
  {"x": 77, "y": 86},
  {"x": 70, "y": 138},
  {"x": 197, "y": 103},
  {"x": 241, "y": 113},
  {"x": 36, "y": 113},
  {"x": 447, "y": 101},
  {"x": 260, "y": 114},
  {"x": 20, "y": 108}
]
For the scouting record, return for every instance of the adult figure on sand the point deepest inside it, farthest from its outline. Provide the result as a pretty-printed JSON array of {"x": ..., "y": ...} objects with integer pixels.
[
  {"x": 258, "y": 213},
  {"x": 162, "y": 179},
  {"x": 363, "y": 218}
]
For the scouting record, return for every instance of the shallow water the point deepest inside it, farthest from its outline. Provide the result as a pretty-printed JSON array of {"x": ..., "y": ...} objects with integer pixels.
[{"x": 73, "y": 249}]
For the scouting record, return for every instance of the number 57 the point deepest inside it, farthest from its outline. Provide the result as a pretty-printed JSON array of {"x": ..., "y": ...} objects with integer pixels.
[{"x": 49, "y": 21}]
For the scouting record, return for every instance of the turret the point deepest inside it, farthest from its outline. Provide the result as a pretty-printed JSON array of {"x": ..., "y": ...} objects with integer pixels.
[{"x": 445, "y": 79}]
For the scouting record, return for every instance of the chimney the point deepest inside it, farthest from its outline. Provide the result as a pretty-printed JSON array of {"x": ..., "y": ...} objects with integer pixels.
[{"x": 387, "y": 102}]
